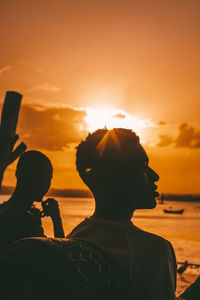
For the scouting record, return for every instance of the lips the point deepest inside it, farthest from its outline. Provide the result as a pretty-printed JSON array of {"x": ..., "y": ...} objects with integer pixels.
[
  {"x": 155, "y": 190},
  {"x": 156, "y": 194},
  {"x": 155, "y": 187}
]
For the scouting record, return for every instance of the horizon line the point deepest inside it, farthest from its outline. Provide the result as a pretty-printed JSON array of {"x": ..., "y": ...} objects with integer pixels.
[{"x": 86, "y": 193}]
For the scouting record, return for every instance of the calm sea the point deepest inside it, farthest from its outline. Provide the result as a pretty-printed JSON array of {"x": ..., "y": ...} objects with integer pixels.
[{"x": 183, "y": 231}]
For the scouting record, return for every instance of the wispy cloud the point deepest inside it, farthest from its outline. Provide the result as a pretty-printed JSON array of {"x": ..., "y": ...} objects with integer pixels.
[
  {"x": 119, "y": 115},
  {"x": 161, "y": 123},
  {"x": 165, "y": 140},
  {"x": 45, "y": 87},
  {"x": 4, "y": 69}
]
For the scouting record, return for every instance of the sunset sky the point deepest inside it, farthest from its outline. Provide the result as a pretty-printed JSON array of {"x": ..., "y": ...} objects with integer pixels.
[{"x": 84, "y": 64}]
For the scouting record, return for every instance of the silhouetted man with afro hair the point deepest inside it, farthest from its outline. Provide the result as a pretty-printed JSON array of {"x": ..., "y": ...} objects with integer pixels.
[{"x": 115, "y": 167}]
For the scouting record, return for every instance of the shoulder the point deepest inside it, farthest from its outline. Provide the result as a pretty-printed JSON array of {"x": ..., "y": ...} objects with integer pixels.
[
  {"x": 80, "y": 227},
  {"x": 152, "y": 242},
  {"x": 29, "y": 251},
  {"x": 58, "y": 264},
  {"x": 156, "y": 255},
  {"x": 92, "y": 226}
]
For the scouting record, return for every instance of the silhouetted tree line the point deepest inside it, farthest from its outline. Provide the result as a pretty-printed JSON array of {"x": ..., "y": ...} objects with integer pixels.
[{"x": 181, "y": 197}]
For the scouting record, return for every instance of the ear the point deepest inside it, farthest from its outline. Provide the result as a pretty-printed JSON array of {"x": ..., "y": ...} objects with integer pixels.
[
  {"x": 86, "y": 175},
  {"x": 88, "y": 170}
]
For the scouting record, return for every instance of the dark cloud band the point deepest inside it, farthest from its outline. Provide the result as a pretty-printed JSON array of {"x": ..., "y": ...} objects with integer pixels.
[
  {"x": 51, "y": 128},
  {"x": 188, "y": 137}
]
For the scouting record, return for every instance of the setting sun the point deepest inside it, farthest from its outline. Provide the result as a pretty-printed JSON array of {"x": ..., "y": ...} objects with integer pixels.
[
  {"x": 84, "y": 65},
  {"x": 110, "y": 118}
]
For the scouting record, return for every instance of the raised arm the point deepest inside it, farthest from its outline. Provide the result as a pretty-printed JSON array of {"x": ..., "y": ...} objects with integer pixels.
[
  {"x": 51, "y": 209},
  {"x": 8, "y": 154},
  {"x": 8, "y": 137}
]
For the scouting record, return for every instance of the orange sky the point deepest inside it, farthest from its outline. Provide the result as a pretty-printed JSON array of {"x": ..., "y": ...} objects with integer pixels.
[{"x": 138, "y": 59}]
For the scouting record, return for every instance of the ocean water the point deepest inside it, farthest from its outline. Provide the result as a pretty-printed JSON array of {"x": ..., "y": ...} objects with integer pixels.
[{"x": 183, "y": 231}]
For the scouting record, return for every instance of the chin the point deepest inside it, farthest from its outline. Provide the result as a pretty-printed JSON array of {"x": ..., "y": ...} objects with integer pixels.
[
  {"x": 149, "y": 202},
  {"x": 154, "y": 204},
  {"x": 150, "y": 206}
]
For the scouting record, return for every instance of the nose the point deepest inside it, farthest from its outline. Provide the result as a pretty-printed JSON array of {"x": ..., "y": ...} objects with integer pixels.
[{"x": 154, "y": 175}]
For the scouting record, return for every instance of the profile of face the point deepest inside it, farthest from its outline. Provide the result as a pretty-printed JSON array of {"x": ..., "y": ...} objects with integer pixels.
[
  {"x": 138, "y": 181},
  {"x": 115, "y": 167}
]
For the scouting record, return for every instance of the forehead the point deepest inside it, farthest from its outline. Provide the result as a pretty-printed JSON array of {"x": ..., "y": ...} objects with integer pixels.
[{"x": 136, "y": 155}]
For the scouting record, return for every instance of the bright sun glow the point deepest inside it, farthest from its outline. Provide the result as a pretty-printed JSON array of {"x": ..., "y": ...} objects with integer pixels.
[{"x": 109, "y": 118}]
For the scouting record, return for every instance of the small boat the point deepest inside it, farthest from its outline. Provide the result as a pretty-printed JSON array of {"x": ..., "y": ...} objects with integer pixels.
[
  {"x": 192, "y": 266},
  {"x": 182, "y": 268},
  {"x": 172, "y": 211}
]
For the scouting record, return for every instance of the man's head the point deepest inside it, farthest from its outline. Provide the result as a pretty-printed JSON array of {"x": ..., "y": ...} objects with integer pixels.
[
  {"x": 114, "y": 160},
  {"x": 34, "y": 173}
]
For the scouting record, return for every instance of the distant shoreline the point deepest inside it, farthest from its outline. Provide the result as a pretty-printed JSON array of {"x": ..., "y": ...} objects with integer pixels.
[
  {"x": 81, "y": 193},
  {"x": 180, "y": 197}
]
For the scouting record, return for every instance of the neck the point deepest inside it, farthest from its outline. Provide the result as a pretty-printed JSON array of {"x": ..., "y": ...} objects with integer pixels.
[
  {"x": 111, "y": 215},
  {"x": 111, "y": 208},
  {"x": 19, "y": 198}
]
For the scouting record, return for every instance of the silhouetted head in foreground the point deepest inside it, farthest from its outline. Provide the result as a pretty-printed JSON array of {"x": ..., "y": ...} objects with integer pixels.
[
  {"x": 34, "y": 173},
  {"x": 114, "y": 165}
]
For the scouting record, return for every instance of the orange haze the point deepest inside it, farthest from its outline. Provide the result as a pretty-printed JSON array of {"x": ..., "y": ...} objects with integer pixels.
[{"x": 137, "y": 59}]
